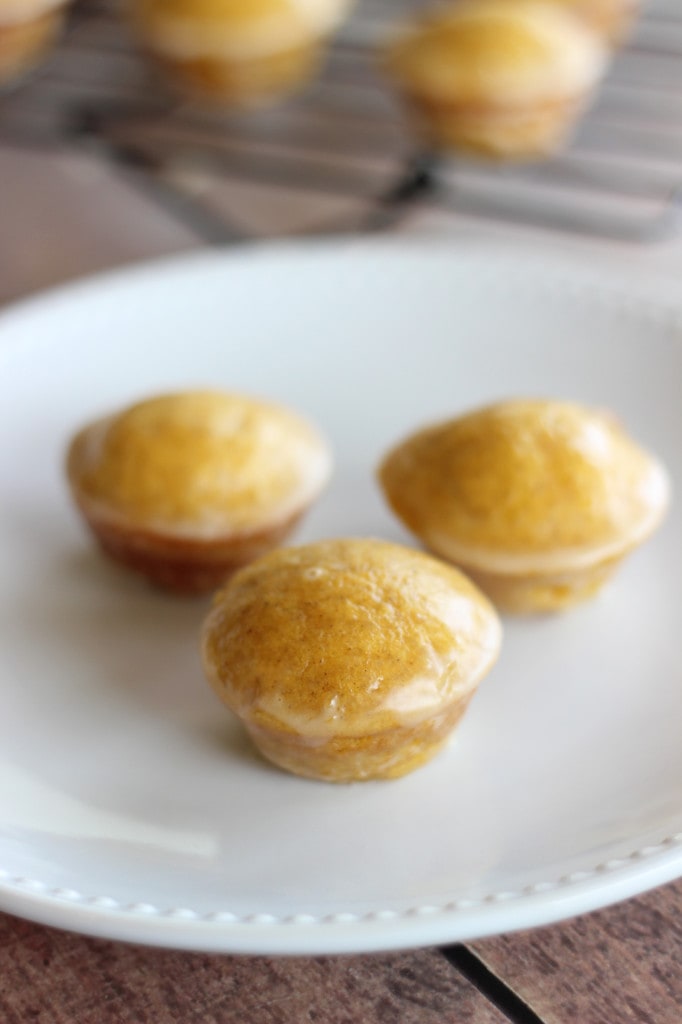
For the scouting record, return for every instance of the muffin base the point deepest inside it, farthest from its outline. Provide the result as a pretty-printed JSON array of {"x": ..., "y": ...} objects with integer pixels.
[
  {"x": 495, "y": 132},
  {"x": 544, "y": 592},
  {"x": 181, "y": 564},
  {"x": 24, "y": 44},
  {"x": 388, "y": 754},
  {"x": 242, "y": 82}
]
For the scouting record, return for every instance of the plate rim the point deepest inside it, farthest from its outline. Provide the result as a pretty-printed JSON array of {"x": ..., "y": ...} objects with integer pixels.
[
  {"x": 556, "y": 264},
  {"x": 543, "y": 903}
]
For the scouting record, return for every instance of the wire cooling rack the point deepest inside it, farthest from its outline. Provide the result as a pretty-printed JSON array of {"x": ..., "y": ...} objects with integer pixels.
[{"x": 341, "y": 155}]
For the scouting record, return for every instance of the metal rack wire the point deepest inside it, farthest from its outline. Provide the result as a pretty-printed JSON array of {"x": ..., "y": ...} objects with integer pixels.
[{"x": 344, "y": 138}]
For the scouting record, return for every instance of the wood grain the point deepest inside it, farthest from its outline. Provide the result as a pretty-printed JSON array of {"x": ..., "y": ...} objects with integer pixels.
[
  {"x": 619, "y": 965},
  {"x": 64, "y": 215},
  {"x": 53, "y": 977}
]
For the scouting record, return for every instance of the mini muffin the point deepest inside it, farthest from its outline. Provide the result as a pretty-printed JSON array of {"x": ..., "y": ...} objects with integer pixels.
[
  {"x": 184, "y": 488},
  {"x": 28, "y": 29},
  {"x": 496, "y": 79},
  {"x": 349, "y": 659},
  {"x": 538, "y": 501},
  {"x": 237, "y": 51}
]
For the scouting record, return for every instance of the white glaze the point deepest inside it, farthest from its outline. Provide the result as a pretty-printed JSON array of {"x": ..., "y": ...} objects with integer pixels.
[{"x": 655, "y": 489}]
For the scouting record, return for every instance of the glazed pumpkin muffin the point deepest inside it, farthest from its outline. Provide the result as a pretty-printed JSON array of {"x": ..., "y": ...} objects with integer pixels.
[
  {"x": 349, "y": 659},
  {"x": 236, "y": 51},
  {"x": 184, "y": 488},
  {"x": 28, "y": 29},
  {"x": 538, "y": 501},
  {"x": 496, "y": 79}
]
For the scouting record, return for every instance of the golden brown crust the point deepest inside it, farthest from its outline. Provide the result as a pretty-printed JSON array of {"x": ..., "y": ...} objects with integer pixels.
[
  {"x": 350, "y": 658},
  {"x": 528, "y": 494},
  {"x": 203, "y": 462},
  {"x": 525, "y": 478},
  {"x": 185, "y": 488}
]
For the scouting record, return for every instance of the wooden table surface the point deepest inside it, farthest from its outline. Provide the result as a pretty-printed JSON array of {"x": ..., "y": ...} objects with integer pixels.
[{"x": 64, "y": 212}]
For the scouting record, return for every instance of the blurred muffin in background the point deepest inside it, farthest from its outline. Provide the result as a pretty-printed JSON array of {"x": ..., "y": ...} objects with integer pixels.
[
  {"x": 237, "y": 52},
  {"x": 496, "y": 79},
  {"x": 28, "y": 29}
]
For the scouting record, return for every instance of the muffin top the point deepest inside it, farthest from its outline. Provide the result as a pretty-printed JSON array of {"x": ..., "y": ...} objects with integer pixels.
[
  {"x": 201, "y": 462},
  {"x": 494, "y": 51},
  {"x": 234, "y": 28},
  {"x": 524, "y": 484},
  {"x": 347, "y": 637}
]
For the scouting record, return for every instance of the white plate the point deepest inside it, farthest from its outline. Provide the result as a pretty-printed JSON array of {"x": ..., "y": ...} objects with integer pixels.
[{"x": 130, "y": 804}]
